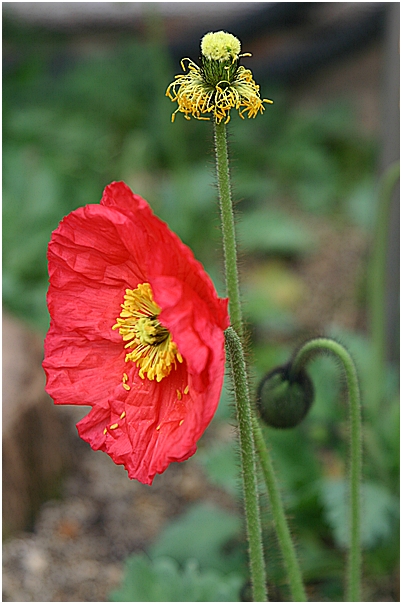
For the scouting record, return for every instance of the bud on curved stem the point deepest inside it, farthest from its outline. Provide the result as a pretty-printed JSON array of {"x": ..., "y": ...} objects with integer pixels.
[
  {"x": 292, "y": 380},
  {"x": 278, "y": 513},
  {"x": 284, "y": 400}
]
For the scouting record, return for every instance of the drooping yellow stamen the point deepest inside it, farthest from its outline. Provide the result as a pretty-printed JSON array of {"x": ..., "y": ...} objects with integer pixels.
[
  {"x": 152, "y": 348},
  {"x": 197, "y": 98}
]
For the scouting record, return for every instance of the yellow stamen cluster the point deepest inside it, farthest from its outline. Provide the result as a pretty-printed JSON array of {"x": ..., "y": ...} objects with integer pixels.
[
  {"x": 196, "y": 98},
  {"x": 220, "y": 46},
  {"x": 152, "y": 348},
  {"x": 219, "y": 85}
]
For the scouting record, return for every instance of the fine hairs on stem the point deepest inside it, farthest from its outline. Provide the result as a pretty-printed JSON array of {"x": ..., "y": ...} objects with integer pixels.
[
  {"x": 236, "y": 356},
  {"x": 248, "y": 427},
  {"x": 281, "y": 525},
  {"x": 247, "y": 455},
  {"x": 301, "y": 357}
]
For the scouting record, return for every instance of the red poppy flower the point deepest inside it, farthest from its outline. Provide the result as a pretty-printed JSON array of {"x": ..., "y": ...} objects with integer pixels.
[{"x": 136, "y": 332}]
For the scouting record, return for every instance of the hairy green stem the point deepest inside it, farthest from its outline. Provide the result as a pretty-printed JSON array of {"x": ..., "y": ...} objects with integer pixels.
[
  {"x": 278, "y": 513},
  {"x": 228, "y": 228},
  {"x": 251, "y": 503},
  {"x": 248, "y": 426},
  {"x": 301, "y": 357},
  {"x": 235, "y": 349},
  {"x": 377, "y": 285}
]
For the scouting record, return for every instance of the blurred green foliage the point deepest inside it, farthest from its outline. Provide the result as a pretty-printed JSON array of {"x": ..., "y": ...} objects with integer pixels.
[
  {"x": 74, "y": 120},
  {"x": 162, "y": 580}
]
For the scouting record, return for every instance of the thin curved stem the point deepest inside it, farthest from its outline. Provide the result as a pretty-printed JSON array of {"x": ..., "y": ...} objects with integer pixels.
[
  {"x": 377, "y": 285},
  {"x": 278, "y": 513},
  {"x": 301, "y": 357},
  {"x": 247, "y": 451}
]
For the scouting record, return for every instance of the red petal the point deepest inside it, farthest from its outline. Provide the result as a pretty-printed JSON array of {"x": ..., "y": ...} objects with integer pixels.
[
  {"x": 159, "y": 426},
  {"x": 79, "y": 371}
]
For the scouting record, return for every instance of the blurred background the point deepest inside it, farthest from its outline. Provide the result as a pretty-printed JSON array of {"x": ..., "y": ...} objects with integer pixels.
[{"x": 84, "y": 104}]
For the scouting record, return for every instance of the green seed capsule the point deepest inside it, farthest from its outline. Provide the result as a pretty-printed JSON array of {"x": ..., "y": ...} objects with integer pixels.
[{"x": 284, "y": 402}]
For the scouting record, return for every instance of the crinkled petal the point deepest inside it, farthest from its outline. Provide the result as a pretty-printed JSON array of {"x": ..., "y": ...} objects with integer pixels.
[
  {"x": 149, "y": 427},
  {"x": 79, "y": 371},
  {"x": 164, "y": 254}
]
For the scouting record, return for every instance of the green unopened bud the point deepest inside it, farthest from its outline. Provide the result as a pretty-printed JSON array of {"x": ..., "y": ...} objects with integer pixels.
[{"x": 284, "y": 401}]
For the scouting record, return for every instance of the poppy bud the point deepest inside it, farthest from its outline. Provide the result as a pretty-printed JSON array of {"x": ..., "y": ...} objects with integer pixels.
[{"x": 284, "y": 400}]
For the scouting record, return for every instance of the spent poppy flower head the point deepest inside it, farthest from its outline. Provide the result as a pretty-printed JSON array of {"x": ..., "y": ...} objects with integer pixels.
[
  {"x": 219, "y": 84},
  {"x": 136, "y": 333}
]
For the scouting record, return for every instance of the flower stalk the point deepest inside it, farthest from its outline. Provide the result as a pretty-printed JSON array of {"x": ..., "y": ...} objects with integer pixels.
[
  {"x": 377, "y": 285},
  {"x": 303, "y": 355},
  {"x": 238, "y": 366},
  {"x": 281, "y": 526},
  {"x": 248, "y": 425},
  {"x": 251, "y": 504},
  {"x": 228, "y": 227}
]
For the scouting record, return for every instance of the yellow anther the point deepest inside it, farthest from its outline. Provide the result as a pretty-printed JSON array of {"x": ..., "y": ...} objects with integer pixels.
[
  {"x": 123, "y": 415},
  {"x": 105, "y": 431},
  {"x": 159, "y": 427},
  {"x": 178, "y": 394},
  {"x": 125, "y": 378},
  {"x": 186, "y": 390},
  {"x": 113, "y": 426},
  {"x": 181, "y": 422}
]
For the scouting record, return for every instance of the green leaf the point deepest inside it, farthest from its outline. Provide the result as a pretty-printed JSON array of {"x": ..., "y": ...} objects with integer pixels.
[
  {"x": 202, "y": 534},
  {"x": 378, "y": 509},
  {"x": 162, "y": 580}
]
